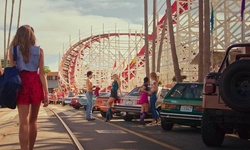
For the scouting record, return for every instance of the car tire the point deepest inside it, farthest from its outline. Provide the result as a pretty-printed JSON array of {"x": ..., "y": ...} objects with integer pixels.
[
  {"x": 103, "y": 114},
  {"x": 77, "y": 107},
  {"x": 85, "y": 108},
  {"x": 235, "y": 85},
  {"x": 212, "y": 134},
  {"x": 128, "y": 117},
  {"x": 166, "y": 125},
  {"x": 243, "y": 134}
]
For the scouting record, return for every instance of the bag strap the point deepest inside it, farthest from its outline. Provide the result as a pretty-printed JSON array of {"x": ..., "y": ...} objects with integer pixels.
[{"x": 15, "y": 53}]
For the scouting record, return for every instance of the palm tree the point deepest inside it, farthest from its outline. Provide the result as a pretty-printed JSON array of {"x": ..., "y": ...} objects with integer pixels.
[
  {"x": 200, "y": 64},
  {"x": 10, "y": 27},
  {"x": 161, "y": 43},
  {"x": 5, "y": 18},
  {"x": 172, "y": 43},
  {"x": 19, "y": 13},
  {"x": 146, "y": 36},
  {"x": 154, "y": 35},
  {"x": 206, "y": 43}
]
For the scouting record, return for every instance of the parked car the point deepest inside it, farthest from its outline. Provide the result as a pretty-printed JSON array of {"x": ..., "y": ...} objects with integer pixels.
[
  {"x": 67, "y": 100},
  {"x": 78, "y": 101},
  {"x": 100, "y": 100},
  {"x": 101, "y": 103},
  {"x": 226, "y": 98},
  {"x": 129, "y": 103},
  {"x": 182, "y": 105}
]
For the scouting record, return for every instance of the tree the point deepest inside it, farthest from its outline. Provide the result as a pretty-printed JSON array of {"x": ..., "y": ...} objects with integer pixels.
[
  {"x": 154, "y": 35},
  {"x": 46, "y": 69},
  {"x": 146, "y": 36},
  {"x": 5, "y": 20},
  {"x": 206, "y": 43},
  {"x": 19, "y": 13},
  {"x": 10, "y": 27},
  {"x": 200, "y": 64},
  {"x": 172, "y": 43},
  {"x": 161, "y": 43}
]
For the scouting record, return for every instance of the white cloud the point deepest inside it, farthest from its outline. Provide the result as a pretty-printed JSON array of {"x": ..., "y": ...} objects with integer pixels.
[{"x": 54, "y": 22}]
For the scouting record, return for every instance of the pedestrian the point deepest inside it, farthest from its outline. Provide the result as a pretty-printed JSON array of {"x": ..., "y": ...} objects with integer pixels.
[
  {"x": 113, "y": 96},
  {"x": 89, "y": 95},
  {"x": 144, "y": 90},
  {"x": 55, "y": 96},
  {"x": 70, "y": 94},
  {"x": 34, "y": 89},
  {"x": 153, "y": 98}
]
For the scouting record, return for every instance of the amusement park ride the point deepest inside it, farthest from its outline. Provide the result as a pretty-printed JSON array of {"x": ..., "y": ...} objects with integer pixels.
[{"x": 122, "y": 52}]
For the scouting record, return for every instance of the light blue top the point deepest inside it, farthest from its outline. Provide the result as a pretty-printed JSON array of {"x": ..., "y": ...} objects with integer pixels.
[{"x": 33, "y": 63}]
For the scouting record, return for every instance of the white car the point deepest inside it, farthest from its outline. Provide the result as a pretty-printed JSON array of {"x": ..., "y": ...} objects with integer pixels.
[{"x": 130, "y": 105}]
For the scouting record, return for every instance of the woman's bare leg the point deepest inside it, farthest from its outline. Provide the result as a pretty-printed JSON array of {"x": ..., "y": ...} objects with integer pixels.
[
  {"x": 23, "y": 111},
  {"x": 33, "y": 125}
]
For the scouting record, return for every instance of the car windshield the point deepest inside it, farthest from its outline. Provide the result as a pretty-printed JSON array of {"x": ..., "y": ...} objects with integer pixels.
[{"x": 187, "y": 91}]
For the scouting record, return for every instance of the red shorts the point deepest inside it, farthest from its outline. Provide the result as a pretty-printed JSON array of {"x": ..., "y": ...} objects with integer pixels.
[{"x": 31, "y": 91}]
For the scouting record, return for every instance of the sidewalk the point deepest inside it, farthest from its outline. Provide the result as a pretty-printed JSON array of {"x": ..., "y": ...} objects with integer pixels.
[{"x": 51, "y": 133}]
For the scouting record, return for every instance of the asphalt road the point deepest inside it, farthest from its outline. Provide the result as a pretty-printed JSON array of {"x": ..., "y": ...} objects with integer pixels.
[{"x": 121, "y": 135}]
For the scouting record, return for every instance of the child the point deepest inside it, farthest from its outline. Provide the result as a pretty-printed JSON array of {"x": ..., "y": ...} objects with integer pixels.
[{"x": 144, "y": 100}]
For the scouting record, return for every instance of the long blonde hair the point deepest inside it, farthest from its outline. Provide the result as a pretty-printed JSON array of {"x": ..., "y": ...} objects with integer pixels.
[
  {"x": 25, "y": 38},
  {"x": 116, "y": 78},
  {"x": 153, "y": 76}
]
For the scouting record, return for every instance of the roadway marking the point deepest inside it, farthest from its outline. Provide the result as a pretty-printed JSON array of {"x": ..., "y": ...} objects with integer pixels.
[
  {"x": 111, "y": 131},
  {"x": 143, "y": 136}
]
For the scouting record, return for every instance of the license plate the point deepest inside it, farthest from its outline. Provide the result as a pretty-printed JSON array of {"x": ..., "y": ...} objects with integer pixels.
[
  {"x": 186, "y": 108},
  {"x": 129, "y": 103}
]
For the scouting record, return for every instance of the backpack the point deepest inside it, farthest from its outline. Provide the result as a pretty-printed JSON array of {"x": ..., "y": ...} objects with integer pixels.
[{"x": 10, "y": 82}]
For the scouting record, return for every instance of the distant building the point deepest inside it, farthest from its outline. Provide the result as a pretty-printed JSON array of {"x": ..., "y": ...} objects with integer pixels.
[{"x": 52, "y": 78}]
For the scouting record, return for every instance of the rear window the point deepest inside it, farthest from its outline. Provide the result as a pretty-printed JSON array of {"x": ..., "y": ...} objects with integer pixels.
[
  {"x": 134, "y": 92},
  {"x": 187, "y": 91},
  {"x": 163, "y": 92}
]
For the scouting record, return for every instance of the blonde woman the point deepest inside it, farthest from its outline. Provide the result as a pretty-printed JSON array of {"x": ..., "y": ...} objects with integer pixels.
[
  {"x": 34, "y": 90},
  {"x": 153, "y": 98},
  {"x": 113, "y": 96}
]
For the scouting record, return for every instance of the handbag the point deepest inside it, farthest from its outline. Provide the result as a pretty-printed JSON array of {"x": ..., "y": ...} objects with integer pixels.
[{"x": 10, "y": 83}]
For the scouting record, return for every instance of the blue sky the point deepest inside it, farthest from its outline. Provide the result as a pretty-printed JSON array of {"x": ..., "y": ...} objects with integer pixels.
[{"x": 55, "y": 21}]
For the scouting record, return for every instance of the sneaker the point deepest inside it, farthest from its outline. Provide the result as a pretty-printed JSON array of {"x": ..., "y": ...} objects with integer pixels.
[
  {"x": 91, "y": 119},
  {"x": 151, "y": 124}
]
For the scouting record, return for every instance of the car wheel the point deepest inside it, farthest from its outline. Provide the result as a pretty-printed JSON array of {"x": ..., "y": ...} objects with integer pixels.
[
  {"x": 195, "y": 127},
  {"x": 77, "y": 107},
  {"x": 85, "y": 108},
  {"x": 212, "y": 134},
  {"x": 166, "y": 125},
  {"x": 235, "y": 85},
  {"x": 128, "y": 117},
  {"x": 243, "y": 134},
  {"x": 103, "y": 114}
]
